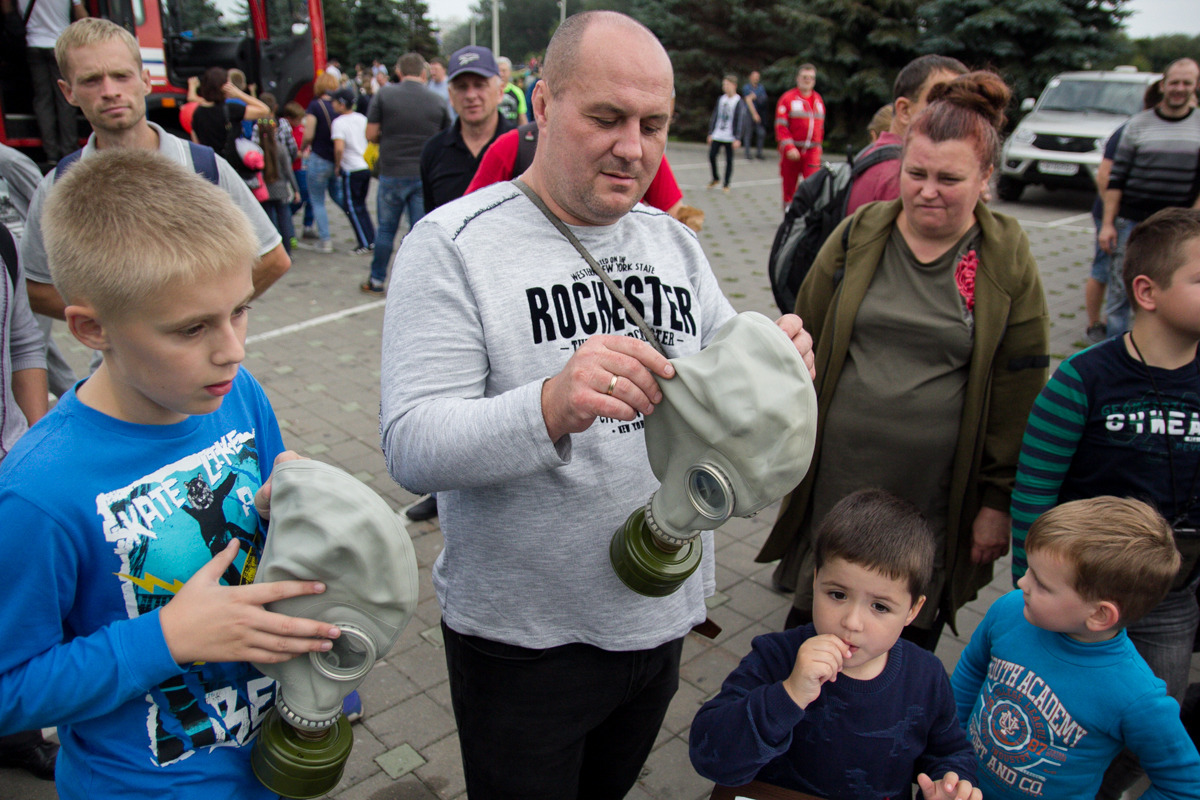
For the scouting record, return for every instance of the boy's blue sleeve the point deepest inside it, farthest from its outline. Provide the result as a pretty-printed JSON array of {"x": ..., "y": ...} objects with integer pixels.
[
  {"x": 1051, "y": 439},
  {"x": 946, "y": 748},
  {"x": 750, "y": 722},
  {"x": 971, "y": 669},
  {"x": 47, "y": 675},
  {"x": 1152, "y": 729}
]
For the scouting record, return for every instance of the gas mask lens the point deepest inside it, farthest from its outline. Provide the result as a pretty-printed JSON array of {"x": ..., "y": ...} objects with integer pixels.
[
  {"x": 352, "y": 656},
  {"x": 710, "y": 492}
]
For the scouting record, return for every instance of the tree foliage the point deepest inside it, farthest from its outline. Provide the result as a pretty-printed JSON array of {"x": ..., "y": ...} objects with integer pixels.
[
  {"x": 359, "y": 31},
  {"x": 856, "y": 46},
  {"x": 1155, "y": 53},
  {"x": 1026, "y": 41}
]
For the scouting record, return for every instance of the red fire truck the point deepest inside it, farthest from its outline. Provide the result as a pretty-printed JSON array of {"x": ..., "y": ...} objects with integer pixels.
[{"x": 279, "y": 44}]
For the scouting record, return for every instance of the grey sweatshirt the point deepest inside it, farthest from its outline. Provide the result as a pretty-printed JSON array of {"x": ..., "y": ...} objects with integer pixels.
[{"x": 488, "y": 301}]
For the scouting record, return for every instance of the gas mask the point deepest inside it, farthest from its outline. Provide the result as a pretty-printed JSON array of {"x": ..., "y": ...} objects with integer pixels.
[
  {"x": 328, "y": 526},
  {"x": 734, "y": 432}
]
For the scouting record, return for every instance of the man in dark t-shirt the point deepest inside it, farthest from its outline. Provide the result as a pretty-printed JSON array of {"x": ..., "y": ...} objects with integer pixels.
[{"x": 402, "y": 118}]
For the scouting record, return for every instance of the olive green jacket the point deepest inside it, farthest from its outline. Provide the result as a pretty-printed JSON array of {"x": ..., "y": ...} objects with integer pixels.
[{"x": 1008, "y": 367}]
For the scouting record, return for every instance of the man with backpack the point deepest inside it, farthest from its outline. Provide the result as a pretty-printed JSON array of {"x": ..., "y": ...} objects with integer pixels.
[{"x": 835, "y": 191}]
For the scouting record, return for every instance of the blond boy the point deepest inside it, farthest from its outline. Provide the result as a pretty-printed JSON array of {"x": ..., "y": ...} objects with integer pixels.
[
  {"x": 1050, "y": 687},
  {"x": 131, "y": 510}
]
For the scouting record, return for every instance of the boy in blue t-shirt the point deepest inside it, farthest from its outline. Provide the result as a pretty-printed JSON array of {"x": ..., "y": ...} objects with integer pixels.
[
  {"x": 842, "y": 707},
  {"x": 1122, "y": 418},
  {"x": 133, "y": 511},
  {"x": 1050, "y": 687}
]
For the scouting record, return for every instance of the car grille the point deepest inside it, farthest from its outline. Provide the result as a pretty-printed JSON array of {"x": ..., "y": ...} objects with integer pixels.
[{"x": 1064, "y": 144}]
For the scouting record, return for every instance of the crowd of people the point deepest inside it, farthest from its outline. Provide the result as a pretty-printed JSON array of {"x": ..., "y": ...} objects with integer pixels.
[{"x": 940, "y": 440}]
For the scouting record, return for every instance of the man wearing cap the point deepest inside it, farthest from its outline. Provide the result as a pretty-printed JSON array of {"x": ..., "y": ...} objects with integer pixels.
[
  {"x": 515, "y": 385},
  {"x": 450, "y": 159}
]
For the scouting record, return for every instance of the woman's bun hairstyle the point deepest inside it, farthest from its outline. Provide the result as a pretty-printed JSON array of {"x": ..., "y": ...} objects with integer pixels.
[
  {"x": 985, "y": 93},
  {"x": 969, "y": 108}
]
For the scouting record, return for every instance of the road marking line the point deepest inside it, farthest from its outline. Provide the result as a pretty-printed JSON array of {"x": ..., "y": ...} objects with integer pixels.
[{"x": 315, "y": 321}]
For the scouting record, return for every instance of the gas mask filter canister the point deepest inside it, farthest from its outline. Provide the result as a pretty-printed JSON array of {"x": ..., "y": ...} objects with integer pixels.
[
  {"x": 328, "y": 526},
  {"x": 734, "y": 433}
]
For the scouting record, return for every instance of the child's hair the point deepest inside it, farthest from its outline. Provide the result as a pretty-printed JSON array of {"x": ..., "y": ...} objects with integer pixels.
[
  {"x": 1156, "y": 246},
  {"x": 877, "y": 530},
  {"x": 237, "y": 78},
  {"x": 89, "y": 31},
  {"x": 1122, "y": 551},
  {"x": 732, "y": 79},
  {"x": 122, "y": 225},
  {"x": 881, "y": 122},
  {"x": 268, "y": 130},
  {"x": 293, "y": 111}
]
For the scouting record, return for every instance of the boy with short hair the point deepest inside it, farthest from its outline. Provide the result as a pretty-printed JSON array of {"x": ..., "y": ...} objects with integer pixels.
[
  {"x": 132, "y": 510},
  {"x": 1121, "y": 418},
  {"x": 842, "y": 707},
  {"x": 1050, "y": 687}
]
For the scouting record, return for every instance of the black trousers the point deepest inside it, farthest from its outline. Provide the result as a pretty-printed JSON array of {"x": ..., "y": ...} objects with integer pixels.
[
  {"x": 712, "y": 160},
  {"x": 572, "y": 721}
]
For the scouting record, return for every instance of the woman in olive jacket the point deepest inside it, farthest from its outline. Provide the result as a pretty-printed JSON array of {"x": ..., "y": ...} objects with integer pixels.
[{"x": 1005, "y": 357}]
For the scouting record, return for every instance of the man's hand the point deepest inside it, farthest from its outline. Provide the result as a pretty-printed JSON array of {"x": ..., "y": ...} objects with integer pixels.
[
  {"x": 609, "y": 376},
  {"x": 736, "y": 144},
  {"x": 948, "y": 788},
  {"x": 820, "y": 659},
  {"x": 207, "y": 621},
  {"x": 990, "y": 534},
  {"x": 793, "y": 326},
  {"x": 792, "y": 154},
  {"x": 1107, "y": 238}
]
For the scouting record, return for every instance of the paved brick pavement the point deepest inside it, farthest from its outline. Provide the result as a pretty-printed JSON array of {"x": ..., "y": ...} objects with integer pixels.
[{"x": 314, "y": 345}]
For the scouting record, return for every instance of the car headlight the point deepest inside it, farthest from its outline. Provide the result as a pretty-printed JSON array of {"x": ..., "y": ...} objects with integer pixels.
[{"x": 1023, "y": 136}]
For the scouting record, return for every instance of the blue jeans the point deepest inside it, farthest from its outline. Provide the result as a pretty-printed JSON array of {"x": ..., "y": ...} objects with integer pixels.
[
  {"x": 1116, "y": 307},
  {"x": 320, "y": 179},
  {"x": 393, "y": 197},
  {"x": 281, "y": 218},
  {"x": 1164, "y": 638},
  {"x": 302, "y": 182}
]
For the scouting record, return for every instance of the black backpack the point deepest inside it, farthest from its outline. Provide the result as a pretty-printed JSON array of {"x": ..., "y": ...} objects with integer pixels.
[{"x": 816, "y": 209}]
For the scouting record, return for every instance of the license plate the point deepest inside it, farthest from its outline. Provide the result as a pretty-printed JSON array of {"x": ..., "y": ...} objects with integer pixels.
[{"x": 1057, "y": 168}]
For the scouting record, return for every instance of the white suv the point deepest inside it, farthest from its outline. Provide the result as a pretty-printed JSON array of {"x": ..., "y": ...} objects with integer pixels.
[{"x": 1060, "y": 144}]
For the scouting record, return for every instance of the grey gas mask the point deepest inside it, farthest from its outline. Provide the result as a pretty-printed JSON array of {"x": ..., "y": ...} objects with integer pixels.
[
  {"x": 328, "y": 526},
  {"x": 735, "y": 431}
]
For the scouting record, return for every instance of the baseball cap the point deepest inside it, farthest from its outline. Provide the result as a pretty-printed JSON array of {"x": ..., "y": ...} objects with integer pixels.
[
  {"x": 473, "y": 59},
  {"x": 345, "y": 96}
]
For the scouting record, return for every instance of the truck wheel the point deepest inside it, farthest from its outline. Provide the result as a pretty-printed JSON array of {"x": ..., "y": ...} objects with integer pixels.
[{"x": 1009, "y": 189}]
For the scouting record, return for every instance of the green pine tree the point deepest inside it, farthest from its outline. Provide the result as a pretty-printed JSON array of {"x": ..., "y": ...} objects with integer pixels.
[{"x": 1025, "y": 41}]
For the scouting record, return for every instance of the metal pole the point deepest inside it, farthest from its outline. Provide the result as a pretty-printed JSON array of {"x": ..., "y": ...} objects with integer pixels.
[
  {"x": 562, "y": 11},
  {"x": 496, "y": 28},
  {"x": 472, "y": 31}
]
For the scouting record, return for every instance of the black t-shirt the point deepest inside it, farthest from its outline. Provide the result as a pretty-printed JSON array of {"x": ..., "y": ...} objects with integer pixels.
[
  {"x": 447, "y": 165},
  {"x": 209, "y": 124}
]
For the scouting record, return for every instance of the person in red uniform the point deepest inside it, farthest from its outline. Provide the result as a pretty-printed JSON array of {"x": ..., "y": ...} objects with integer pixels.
[{"x": 799, "y": 129}]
